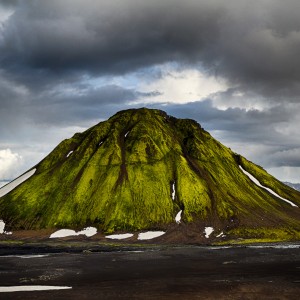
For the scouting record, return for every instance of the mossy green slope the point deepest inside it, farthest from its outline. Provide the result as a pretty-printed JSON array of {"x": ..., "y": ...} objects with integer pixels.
[{"x": 122, "y": 173}]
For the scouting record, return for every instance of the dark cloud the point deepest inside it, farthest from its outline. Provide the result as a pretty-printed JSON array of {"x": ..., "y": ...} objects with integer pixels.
[
  {"x": 285, "y": 157},
  {"x": 51, "y": 51},
  {"x": 252, "y": 45},
  {"x": 106, "y": 38},
  {"x": 8, "y": 3},
  {"x": 82, "y": 105},
  {"x": 63, "y": 105}
]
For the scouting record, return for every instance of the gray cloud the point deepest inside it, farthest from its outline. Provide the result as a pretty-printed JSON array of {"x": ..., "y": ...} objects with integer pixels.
[
  {"x": 101, "y": 37},
  {"x": 48, "y": 49},
  {"x": 78, "y": 107},
  {"x": 254, "y": 46},
  {"x": 259, "y": 135},
  {"x": 8, "y": 3},
  {"x": 65, "y": 105},
  {"x": 285, "y": 157}
]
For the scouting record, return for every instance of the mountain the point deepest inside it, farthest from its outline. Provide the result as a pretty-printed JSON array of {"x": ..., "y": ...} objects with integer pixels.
[
  {"x": 295, "y": 186},
  {"x": 143, "y": 169}
]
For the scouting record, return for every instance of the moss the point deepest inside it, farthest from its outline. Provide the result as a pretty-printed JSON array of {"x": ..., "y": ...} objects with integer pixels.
[
  {"x": 117, "y": 182},
  {"x": 265, "y": 234}
]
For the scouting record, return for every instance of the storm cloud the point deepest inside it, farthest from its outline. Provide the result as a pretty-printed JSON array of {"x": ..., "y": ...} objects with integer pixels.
[
  {"x": 250, "y": 44},
  {"x": 69, "y": 64}
]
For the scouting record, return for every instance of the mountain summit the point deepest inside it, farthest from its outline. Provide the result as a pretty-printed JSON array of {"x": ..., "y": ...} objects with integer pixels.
[{"x": 144, "y": 169}]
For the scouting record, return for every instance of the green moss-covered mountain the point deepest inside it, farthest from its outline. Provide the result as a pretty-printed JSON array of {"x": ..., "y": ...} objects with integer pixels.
[{"x": 137, "y": 170}]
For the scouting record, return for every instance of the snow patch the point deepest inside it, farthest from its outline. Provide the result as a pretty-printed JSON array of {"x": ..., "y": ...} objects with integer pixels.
[
  {"x": 28, "y": 288},
  {"x": 178, "y": 217},
  {"x": 150, "y": 235},
  {"x": 9, "y": 187},
  {"x": 63, "y": 233},
  {"x": 89, "y": 231},
  {"x": 208, "y": 231},
  {"x": 70, "y": 153},
  {"x": 252, "y": 178},
  {"x": 126, "y": 133},
  {"x": 100, "y": 143},
  {"x": 2, "y": 226},
  {"x": 119, "y": 236},
  {"x": 173, "y": 191}
]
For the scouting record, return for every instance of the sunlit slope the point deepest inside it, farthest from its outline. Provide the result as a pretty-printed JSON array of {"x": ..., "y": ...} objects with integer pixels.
[{"x": 137, "y": 170}]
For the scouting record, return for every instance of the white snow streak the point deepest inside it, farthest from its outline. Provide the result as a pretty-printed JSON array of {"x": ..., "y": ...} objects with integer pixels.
[
  {"x": 178, "y": 217},
  {"x": 266, "y": 188},
  {"x": 279, "y": 246},
  {"x": 9, "y": 187},
  {"x": 126, "y": 133},
  {"x": 100, "y": 143},
  {"x": 150, "y": 235},
  {"x": 173, "y": 191},
  {"x": 208, "y": 231},
  {"x": 70, "y": 153},
  {"x": 89, "y": 231},
  {"x": 220, "y": 235},
  {"x": 26, "y": 256},
  {"x": 2, "y": 226},
  {"x": 28, "y": 288},
  {"x": 119, "y": 236}
]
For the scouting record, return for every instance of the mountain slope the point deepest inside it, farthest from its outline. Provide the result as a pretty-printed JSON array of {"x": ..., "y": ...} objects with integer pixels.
[{"x": 137, "y": 170}]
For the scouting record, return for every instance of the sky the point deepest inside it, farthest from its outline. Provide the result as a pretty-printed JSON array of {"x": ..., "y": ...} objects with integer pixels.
[{"x": 232, "y": 65}]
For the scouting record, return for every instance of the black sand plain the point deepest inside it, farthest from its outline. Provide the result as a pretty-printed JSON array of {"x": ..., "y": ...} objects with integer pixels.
[{"x": 153, "y": 272}]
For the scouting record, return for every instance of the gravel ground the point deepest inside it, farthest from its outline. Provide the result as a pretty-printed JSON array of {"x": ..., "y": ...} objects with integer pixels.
[{"x": 188, "y": 272}]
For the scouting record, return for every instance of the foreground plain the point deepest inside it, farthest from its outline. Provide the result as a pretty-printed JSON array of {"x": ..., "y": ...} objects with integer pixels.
[{"x": 254, "y": 272}]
